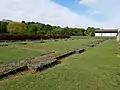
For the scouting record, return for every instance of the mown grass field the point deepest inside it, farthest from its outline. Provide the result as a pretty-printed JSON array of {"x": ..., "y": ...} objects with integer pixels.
[
  {"x": 98, "y": 68},
  {"x": 32, "y": 49}
]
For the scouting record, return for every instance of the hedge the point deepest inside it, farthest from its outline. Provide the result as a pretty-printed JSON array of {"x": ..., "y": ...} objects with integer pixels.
[{"x": 30, "y": 36}]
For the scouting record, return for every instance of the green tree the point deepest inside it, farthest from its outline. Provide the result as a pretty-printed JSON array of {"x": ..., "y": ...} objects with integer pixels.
[
  {"x": 92, "y": 34},
  {"x": 32, "y": 29},
  {"x": 16, "y": 28},
  {"x": 57, "y": 30},
  {"x": 35, "y": 28},
  {"x": 81, "y": 32},
  {"x": 23, "y": 22},
  {"x": 3, "y": 27},
  {"x": 47, "y": 28},
  {"x": 90, "y": 31}
]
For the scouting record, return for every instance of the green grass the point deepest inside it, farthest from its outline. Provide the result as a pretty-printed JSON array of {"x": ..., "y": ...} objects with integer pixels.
[
  {"x": 97, "y": 68},
  {"x": 17, "y": 52},
  {"x": 61, "y": 45},
  {"x": 11, "y": 53}
]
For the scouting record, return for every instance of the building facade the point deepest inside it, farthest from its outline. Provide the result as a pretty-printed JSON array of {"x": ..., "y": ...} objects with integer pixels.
[{"x": 106, "y": 32}]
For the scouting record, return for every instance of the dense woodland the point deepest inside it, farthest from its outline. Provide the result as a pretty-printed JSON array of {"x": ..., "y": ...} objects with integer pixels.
[{"x": 40, "y": 28}]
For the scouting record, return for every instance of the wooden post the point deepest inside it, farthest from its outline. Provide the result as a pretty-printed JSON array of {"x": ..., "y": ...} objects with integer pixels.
[{"x": 118, "y": 38}]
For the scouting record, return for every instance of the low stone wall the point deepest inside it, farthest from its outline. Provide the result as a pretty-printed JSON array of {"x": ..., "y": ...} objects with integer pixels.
[
  {"x": 65, "y": 55},
  {"x": 40, "y": 63},
  {"x": 7, "y": 44},
  {"x": 2, "y": 45},
  {"x": 11, "y": 67},
  {"x": 22, "y": 43},
  {"x": 13, "y": 71}
]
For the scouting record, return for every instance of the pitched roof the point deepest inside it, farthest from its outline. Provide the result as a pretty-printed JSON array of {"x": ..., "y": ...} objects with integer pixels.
[{"x": 107, "y": 31}]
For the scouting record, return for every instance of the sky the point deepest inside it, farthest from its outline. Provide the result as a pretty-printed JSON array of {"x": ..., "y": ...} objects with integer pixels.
[{"x": 72, "y": 13}]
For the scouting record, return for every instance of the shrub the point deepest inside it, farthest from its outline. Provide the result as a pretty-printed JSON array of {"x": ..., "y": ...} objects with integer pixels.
[{"x": 30, "y": 36}]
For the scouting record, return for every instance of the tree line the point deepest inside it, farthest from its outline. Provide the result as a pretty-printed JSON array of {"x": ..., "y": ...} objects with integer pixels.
[{"x": 40, "y": 28}]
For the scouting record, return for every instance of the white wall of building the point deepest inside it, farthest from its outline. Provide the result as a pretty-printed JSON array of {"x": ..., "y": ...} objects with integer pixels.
[{"x": 105, "y": 34}]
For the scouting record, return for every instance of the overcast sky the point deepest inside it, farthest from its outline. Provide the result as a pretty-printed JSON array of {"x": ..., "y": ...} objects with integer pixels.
[{"x": 72, "y": 13}]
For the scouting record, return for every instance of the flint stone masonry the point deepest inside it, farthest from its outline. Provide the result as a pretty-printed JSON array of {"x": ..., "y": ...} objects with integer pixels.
[
  {"x": 22, "y": 43},
  {"x": 39, "y": 63},
  {"x": 1, "y": 45},
  {"x": 13, "y": 66},
  {"x": 79, "y": 51},
  {"x": 90, "y": 45},
  {"x": 65, "y": 55},
  {"x": 30, "y": 63},
  {"x": 7, "y": 44}
]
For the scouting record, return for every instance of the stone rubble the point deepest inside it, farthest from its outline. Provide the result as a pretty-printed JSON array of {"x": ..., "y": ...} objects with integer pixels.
[{"x": 39, "y": 63}]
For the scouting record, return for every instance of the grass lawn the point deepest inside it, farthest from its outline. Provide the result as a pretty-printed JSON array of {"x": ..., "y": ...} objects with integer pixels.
[
  {"x": 97, "y": 68},
  {"x": 11, "y": 53},
  {"x": 17, "y": 52},
  {"x": 60, "y": 46}
]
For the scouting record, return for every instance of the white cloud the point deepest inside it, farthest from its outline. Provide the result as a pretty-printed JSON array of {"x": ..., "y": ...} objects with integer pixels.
[
  {"x": 93, "y": 12},
  {"x": 45, "y": 11},
  {"x": 107, "y": 8},
  {"x": 87, "y": 1},
  {"x": 103, "y": 5}
]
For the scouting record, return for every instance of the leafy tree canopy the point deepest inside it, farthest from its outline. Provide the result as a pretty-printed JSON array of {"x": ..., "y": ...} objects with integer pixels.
[{"x": 16, "y": 28}]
